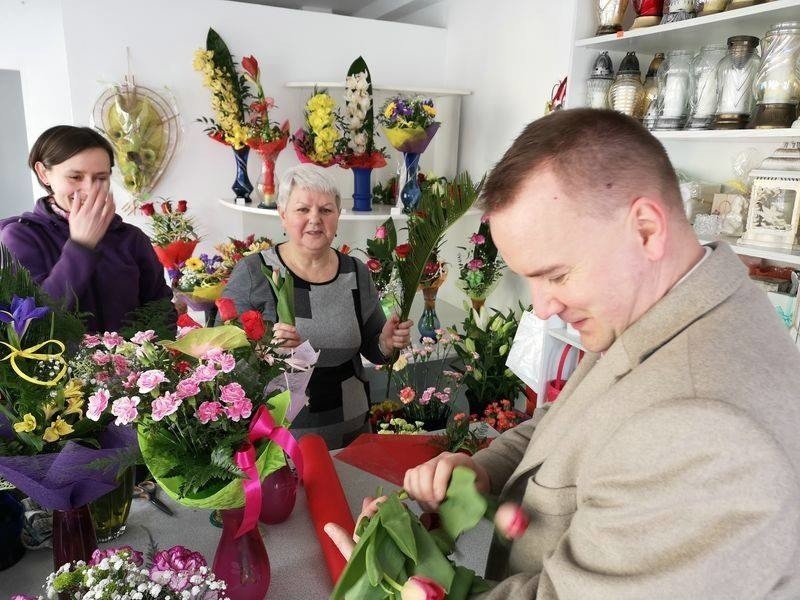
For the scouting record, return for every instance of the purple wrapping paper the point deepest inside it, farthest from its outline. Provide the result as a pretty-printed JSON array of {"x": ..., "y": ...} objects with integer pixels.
[{"x": 64, "y": 480}]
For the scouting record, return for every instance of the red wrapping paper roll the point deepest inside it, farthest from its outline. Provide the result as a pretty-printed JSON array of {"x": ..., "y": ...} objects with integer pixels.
[{"x": 326, "y": 500}]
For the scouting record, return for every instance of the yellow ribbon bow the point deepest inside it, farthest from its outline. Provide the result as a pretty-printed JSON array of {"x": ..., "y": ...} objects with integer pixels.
[{"x": 33, "y": 354}]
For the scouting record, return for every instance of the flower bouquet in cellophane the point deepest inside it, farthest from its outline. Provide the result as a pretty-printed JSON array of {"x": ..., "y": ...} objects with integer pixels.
[
  {"x": 49, "y": 448},
  {"x": 173, "y": 235},
  {"x": 320, "y": 142}
]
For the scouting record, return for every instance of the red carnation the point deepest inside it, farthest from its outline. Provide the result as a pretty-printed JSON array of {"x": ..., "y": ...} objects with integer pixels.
[
  {"x": 253, "y": 323},
  {"x": 182, "y": 206},
  {"x": 227, "y": 309},
  {"x": 402, "y": 251},
  {"x": 148, "y": 210},
  {"x": 374, "y": 265},
  {"x": 250, "y": 65}
]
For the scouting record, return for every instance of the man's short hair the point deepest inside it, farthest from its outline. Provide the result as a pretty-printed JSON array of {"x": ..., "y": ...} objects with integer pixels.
[{"x": 604, "y": 159}]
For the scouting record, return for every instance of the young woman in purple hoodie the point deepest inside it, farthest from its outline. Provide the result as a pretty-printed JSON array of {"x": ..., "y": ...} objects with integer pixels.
[{"x": 73, "y": 243}]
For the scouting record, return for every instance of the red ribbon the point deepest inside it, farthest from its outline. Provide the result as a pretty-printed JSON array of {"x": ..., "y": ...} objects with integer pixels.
[{"x": 263, "y": 426}]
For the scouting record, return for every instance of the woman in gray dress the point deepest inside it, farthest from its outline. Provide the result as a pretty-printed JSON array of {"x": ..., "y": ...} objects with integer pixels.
[{"x": 336, "y": 306}]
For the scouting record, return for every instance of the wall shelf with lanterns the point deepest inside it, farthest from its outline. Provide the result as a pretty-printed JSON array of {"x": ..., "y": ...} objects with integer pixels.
[
  {"x": 740, "y": 135},
  {"x": 753, "y": 20}
]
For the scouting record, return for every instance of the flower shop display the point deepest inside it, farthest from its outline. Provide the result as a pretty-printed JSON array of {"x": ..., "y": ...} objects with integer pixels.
[
  {"x": 237, "y": 123},
  {"x": 173, "y": 235},
  {"x": 268, "y": 138},
  {"x": 482, "y": 348},
  {"x": 396, "y": 556},
  {"x": 121, "y": 573},
  {"x": 381, "y": 259},
  {"x": 360, "y": 154},
  {"x": 409, "y": 124},
  {"x": 208, "y": 427},
  {"x": 481, "y": 268},
  {"x": 143, "y": 127},
  {"x": 49, "y": 448},
  {"x": 320, "y": 142}
]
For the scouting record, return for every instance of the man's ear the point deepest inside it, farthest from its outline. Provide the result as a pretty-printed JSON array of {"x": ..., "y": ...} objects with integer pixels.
[{"x": 649, "y": 221}]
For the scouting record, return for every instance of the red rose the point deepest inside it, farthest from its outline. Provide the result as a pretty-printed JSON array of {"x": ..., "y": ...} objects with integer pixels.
[
  {"x": 250, "y": 65},
  {"x": 253, "y": 323},
  {"x": 402, "y": 251},
  {"x": 374, "y": 265},
  {"x": 227, "y": 309},
  {"x": 148, "y": 210},
  {"x": 186, "y": 321},
  {"x": 182, "y": 206},
  {"x": 166, "y": 207}
]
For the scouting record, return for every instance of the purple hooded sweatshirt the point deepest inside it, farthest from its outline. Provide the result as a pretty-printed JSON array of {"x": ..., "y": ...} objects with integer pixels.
[{"x": 122, "y": 273}]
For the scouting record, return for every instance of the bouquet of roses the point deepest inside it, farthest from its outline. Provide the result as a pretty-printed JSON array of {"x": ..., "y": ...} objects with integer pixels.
[
  {"x": 320, "y": 141},
  {"x": 48, "y": 447},
  {"x": 173, "y": 235},
  {"x": 359, "y": 120},
  {"x": 482, "y": 267},
  {"x": 121, "y": 573},
  {"x": 201, "y": 403},
  {"x": 409, "y": 123}
]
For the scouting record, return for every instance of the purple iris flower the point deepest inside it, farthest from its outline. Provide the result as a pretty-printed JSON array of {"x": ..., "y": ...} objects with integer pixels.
[
  {"x": 204, "y": 257},
  {"x": 403, "y": 109},
  {"x": 21, "y": 312},
  {"x": 173, "y": 273}
]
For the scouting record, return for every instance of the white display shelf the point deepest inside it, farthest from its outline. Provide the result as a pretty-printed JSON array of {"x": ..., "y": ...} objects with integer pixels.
[
  {"x": 378, "y": 213},
  {"x": 437, "y": 92},
  {"x": 692, "y": 33},
  {"x": 781, "y": 256},
  {"x": 738, "y": 135},
  {"x": 568, "y": 338}
]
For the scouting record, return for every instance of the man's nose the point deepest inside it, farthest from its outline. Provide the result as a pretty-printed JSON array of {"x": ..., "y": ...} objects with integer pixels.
[{"x": 545, "y": 305}]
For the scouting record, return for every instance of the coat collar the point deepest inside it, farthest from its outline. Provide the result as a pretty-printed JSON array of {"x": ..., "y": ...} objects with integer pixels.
[{"x": 711, "y": 283}]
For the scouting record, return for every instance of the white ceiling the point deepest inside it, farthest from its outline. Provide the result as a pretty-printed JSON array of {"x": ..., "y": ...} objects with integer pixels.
[{"x": 387, "y": 10}]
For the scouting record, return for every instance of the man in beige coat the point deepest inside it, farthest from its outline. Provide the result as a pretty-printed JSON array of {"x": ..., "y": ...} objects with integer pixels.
[{"x": 668, "y": 467}]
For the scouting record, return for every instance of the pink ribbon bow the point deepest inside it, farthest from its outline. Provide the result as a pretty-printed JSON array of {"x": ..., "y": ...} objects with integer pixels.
[{"x": 263, "y": 426}]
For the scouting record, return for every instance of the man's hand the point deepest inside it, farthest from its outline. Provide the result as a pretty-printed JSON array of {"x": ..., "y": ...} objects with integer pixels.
[
  {"x": 427, "y": 483},
  {"x": 340, "y": 536},
  {"x": 90, "y": 217}
]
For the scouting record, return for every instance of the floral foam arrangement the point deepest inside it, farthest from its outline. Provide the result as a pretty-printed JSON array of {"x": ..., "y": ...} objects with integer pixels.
[
  {"x": 173, "y": 235},
  {"x": 359, "y": 121},
  {"x": 49, "y": 448},
  {"x": 121, "y": 573}
]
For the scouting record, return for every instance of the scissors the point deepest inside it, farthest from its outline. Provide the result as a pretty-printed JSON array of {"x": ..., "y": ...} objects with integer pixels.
[{"x": 146, "y": 490}]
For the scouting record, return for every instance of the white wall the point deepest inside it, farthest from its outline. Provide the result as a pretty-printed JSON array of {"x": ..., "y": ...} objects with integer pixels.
[
  {"x": 17, "y": 191},
  {"x": 510, "y": 53},
  {"x": 32, "y": 42}
]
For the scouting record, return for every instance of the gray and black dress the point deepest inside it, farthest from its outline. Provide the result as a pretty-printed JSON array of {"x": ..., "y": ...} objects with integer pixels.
[{"x": 343, "y": 319}]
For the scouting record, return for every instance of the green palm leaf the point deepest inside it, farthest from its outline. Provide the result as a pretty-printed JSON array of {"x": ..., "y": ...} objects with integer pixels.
[{"x": 425, "y": 232}]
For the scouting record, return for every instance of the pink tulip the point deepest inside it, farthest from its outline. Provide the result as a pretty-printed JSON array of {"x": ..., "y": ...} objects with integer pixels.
[
  {"x": 418, "y": 587},
  {"x": 510, "y": 520}
]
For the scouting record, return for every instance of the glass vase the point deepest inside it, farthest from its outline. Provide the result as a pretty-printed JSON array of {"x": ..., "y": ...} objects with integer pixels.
[
  {"x": 278, "y": 494},
  {"x": 429, "y": 321},
  {"x": 362, "y": 189},
  {"x": 266, "y": 182},
  {"x": 73, "y": 535},
  {"x": 110, "y": 512},
  {"x": 11, "y": 520},
  {"x": 242, "y": 562},
  {"x": 409, "y": 191},
  {"x": 241, "y": 185}
]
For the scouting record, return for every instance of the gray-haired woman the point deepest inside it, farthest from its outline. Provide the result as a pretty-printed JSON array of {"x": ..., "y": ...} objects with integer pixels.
[{"x": 336, "y": 306}]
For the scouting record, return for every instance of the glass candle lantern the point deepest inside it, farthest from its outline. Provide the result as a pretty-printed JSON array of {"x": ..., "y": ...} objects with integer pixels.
[
  {"x": 600, "y": 80},
  {"x": 674, "y": 87},
  {"x": 678, "y": 10},
  {"x": 703, "y": 103},
  {"x": 709, "y": 7},
  {"x": 626, "y": 93},
  {"x": 777, "y": 85},
  {"x": 610, "y": 14},
  {"x": 651, "y": 88},
  {"x": 772, "y": 219},
  {"x": 735, "y": 75},
  {"x": 648, "y": 13}
]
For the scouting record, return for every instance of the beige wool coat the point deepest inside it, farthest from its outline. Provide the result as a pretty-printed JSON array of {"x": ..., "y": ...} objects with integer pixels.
[{"x": 668, "y": 467}]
